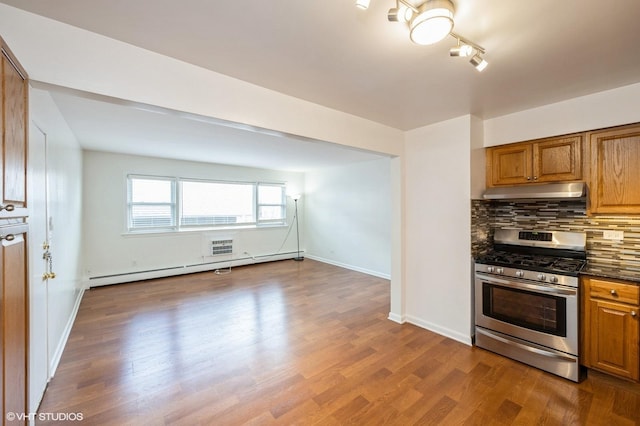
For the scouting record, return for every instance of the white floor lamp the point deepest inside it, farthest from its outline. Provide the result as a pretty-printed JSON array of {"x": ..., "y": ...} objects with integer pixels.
[{"x": 295, "y": 199}]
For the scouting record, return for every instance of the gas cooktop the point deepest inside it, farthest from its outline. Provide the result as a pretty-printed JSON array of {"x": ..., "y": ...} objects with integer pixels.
[{"x": 532, "y": 262}]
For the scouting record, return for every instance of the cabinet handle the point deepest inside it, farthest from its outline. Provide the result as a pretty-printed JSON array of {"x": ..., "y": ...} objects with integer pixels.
[
  {"x": 9, "y": 237},
  {"x": 614, "y": 293},
  {"x": 633, "y": 313},
  {"x": 528, "y": 177},
  {"x": 8, "y": 207},
  {"x": 535, "y": 178}
]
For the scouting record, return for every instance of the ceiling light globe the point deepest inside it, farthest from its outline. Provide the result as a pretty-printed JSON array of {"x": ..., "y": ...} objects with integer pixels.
[{"x": 433, "y": 22}]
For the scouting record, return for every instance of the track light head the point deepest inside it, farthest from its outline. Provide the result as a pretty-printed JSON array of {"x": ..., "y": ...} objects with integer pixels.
[
  {"x": 463, "y": 50},
  {"x": 399, "y": 14},
  {"x": 478, "y": 62},
  {"x": 363, "y": 4}
]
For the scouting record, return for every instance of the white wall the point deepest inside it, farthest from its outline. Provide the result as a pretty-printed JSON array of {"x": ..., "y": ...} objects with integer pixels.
[
  {"x": 64, "y": 170},
  {"x": 109, "y": 250},
  {"x": 348, "y": 216},
  {"x": 438, "y": 219},
  {"x": 598, "y": 110}
]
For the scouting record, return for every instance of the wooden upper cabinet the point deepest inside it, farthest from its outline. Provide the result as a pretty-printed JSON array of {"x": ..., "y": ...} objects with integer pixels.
[
  {"x": 546, "y": 160},
  {"x": 510, "y": 164},
  {"x": 615, "y": 170},
  {"x": 13, "y": 113}
]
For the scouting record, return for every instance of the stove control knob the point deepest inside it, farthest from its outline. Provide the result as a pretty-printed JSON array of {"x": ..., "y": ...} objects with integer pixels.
[
  {"x": 500, "y": 271},
  {"x": 519, "y": 274},
  {"x": 553, "y": 279},
  {"x": 490, "y": 269},
  {"x": 541, "y": 277}
]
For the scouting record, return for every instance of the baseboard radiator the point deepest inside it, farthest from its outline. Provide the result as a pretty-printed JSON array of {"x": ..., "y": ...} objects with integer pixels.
[{"x": 97, "y": 281}]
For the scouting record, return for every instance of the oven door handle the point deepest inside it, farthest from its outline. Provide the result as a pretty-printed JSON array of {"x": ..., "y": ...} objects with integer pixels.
[
  {"x": 547, "y": 289},
  {"x": 547, "y": 353}
]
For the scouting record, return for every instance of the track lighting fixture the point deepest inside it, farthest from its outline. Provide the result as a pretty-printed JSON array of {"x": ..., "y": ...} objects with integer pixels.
[
  {"x": 467, "y": 48},
  {"x": 430, "y": 23}
]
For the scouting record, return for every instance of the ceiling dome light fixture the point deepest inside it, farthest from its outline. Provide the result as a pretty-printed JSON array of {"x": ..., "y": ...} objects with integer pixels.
[{"x": 431, "y": 22}]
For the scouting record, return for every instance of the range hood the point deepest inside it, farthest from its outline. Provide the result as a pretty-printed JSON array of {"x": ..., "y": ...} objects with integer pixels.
[{"x": 545, "y": 191}]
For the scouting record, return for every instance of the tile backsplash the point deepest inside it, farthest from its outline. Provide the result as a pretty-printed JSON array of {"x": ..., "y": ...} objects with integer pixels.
[{"x": 560, "y": 216}]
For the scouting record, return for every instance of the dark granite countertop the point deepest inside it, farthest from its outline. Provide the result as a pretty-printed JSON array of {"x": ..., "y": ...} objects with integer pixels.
[{"x": 611, "y": 271}]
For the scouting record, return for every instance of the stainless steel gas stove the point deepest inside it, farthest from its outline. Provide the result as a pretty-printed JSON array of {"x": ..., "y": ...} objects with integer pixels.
[{"x": 526, "y": 298}]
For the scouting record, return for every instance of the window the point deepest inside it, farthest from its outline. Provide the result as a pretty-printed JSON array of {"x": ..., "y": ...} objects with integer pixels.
[
  {"x": 271, "y": 203},
  {"x": 152, "y": 203},
  {"x": 216, "y": 203},
  {"x": 157, "y": 203}
]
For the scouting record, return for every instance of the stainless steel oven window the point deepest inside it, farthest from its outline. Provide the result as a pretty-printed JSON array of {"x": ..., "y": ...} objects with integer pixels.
[{"x": 534, "y": 311}]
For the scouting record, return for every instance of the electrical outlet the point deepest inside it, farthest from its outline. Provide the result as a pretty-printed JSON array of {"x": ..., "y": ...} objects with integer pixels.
[{"x": 613, "y": 235}]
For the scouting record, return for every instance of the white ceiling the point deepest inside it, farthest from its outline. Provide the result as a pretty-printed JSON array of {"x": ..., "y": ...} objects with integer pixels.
[
  {"x": 331, "y": 53},
  {"x": 107, "y": 124}
]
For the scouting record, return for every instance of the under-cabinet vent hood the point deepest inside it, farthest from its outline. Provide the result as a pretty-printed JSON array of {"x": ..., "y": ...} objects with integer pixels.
[{"x": 545, "y": 191}]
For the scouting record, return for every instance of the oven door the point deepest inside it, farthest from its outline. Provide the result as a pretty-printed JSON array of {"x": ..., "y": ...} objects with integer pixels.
[{"x": 541, "y": 313}]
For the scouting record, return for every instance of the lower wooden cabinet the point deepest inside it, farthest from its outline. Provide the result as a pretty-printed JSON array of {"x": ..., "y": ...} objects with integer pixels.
[{"x": 611, "y": 333}]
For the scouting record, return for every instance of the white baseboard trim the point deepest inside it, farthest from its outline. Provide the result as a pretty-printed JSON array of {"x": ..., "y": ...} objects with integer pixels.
[
  {"x": 126, "y": 277},
  {"x": 351, "y": 267},
  {"x": 446, "y": 332},
  {"x": 396, "y": 318},
  {"x": 53, "y": 366}
]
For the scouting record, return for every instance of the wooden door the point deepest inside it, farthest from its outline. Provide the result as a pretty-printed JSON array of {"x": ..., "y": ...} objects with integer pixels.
[
  {"x": 510, "y": 164},
  {"x": 615, "y": 171},
  {"x": 558, "y": 159}
]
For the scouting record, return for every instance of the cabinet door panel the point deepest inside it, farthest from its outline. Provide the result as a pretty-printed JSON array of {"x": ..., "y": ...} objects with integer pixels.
[
  {"x": 614, "y": 338},
  {"x": 615, "y": 183},
  {"x": 558, "y": 159},
  {"x": 14, "y": 109},
  {"x": 14, "y": 288},
  {"x": 511, "y": 164}
]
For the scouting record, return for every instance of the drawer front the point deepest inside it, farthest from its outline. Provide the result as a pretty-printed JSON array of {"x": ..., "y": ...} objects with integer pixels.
[{"x": 607, "y": 290}]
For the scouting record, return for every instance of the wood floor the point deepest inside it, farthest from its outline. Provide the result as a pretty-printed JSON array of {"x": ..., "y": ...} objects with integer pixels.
[{"x": 299, "y": 343}]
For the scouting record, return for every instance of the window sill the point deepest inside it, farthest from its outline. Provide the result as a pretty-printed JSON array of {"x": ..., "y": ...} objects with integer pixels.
[{"x": 160, "y": 233}]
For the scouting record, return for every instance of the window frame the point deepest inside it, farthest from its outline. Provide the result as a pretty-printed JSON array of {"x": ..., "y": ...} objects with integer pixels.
[
  {"x": 177, "y": 205},
  {"x": 220, "y": 182},
  {"x": 283, "y": 204},
  {"x": 173, "y": 204}
]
